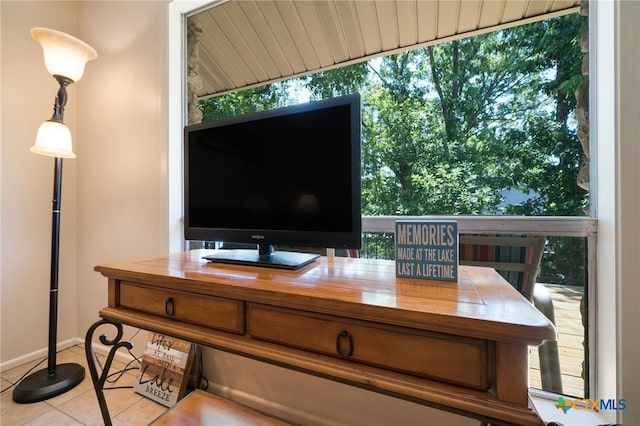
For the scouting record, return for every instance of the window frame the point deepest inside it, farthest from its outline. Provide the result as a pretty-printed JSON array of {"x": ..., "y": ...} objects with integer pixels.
[{"x": 603, "y": 229}]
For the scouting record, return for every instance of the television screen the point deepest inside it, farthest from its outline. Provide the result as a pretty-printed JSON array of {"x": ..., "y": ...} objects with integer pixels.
[{"x": 285, "y": 177}]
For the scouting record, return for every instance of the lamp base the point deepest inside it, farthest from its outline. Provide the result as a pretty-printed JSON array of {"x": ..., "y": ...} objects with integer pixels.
[{"x": 40, "y": 385}]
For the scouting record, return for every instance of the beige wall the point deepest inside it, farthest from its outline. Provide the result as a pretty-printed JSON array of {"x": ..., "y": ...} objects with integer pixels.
[
  {"x": 114, "y": 198},
  {"x": 122, "y": 185},
  {"x": 28, "y": 92}
]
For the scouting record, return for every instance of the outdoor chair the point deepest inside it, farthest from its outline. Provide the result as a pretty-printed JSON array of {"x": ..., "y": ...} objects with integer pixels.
[{"x": 517, "y": 259}]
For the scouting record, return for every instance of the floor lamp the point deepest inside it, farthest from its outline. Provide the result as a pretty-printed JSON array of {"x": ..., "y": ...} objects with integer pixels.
[{"x": 65, "y": 58}]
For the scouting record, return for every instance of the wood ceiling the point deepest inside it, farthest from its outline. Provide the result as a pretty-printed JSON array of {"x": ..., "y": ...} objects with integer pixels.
[{"x": 248, "y": 43}]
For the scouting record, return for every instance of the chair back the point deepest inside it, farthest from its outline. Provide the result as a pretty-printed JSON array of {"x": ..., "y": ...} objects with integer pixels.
[{"x": 515, "y": 257}]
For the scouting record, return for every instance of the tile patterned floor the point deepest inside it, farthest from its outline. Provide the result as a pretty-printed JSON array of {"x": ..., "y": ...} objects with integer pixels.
[{"x": 78, "y": 406}]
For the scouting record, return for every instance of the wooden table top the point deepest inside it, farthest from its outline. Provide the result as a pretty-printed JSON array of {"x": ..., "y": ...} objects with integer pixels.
[{"x": 480, "y": 304}]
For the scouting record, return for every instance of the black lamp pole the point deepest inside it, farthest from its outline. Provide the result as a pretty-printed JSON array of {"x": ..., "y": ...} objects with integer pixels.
[
  {"x": 55, "y": 379},
  {"x": 55, "y": 261}
]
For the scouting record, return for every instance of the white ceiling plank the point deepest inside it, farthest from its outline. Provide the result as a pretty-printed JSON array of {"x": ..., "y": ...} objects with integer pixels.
[
  {"x": 281, "y": 33},
  {"x": 538, "y": 7},
  {"x": 492, "y": 13},
  {"x": 258, "y": 22},
  {"x": 368, "y": 21},
  {"x": 350, "y": 27},
  {"x": 407, "y": 22},
  {"x": 561, "y": 5},
  {"x": 469, "y": 16},
  {"x": 299, "y": 35},
  {"x": 252, "y": 49},
  {"x": 514, "y": 10},
  {"x": 232, "y": 41},
  {"x": 247, "y": 43},
  {"x": 388, "y": 24},
  {"x": 311, "y": 21},
  {"x": 226, "y": 35},
  {"x": 427, "y": 18},
  {"x": 214, "y": 56},
  {"x": 448, "y": 12},
  {"x": 331, "y": 24}
]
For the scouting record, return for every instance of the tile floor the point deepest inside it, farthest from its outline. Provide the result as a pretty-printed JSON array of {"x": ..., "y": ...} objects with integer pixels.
[{"x": 78, "y": 406}]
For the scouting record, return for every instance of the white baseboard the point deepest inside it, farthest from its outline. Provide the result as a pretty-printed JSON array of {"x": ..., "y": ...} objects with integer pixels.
[
  {"x": 39, "y": 354},
  {"x": 270, "y": 407},
  {"x": 122, "y": 355}
]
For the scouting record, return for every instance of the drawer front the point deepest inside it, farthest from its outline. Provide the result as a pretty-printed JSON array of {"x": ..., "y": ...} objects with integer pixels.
[
  {"x": 209, "y": 311},
  {"x": 454, "y": 359}
]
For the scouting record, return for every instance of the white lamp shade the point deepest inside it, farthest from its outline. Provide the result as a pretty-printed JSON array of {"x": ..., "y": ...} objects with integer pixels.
[
  {"x": 64, "y": 55},
  {"x": 54, "y": 140}
]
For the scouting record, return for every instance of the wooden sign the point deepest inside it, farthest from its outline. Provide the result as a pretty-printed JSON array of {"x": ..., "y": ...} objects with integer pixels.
[
  {"x": 427, "y": 249},
  {"x": 165, "y": 368}
]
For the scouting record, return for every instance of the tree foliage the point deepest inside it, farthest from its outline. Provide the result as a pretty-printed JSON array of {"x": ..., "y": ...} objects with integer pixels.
[{"x": 239, "y": 103}]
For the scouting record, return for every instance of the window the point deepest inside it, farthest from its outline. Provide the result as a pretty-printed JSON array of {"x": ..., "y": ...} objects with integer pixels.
[
  {"x": 497, "y": 136},
  {"x": 583, "y": 227}
]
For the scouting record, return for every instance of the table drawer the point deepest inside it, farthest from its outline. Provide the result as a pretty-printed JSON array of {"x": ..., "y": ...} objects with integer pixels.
[
  {"x": 209, "y": 311},
  {"x": 454, "y": 359}
]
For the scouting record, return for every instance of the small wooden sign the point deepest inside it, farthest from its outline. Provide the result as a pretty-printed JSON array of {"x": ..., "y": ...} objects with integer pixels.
[
  {"x": 165, "y": 368},
  {"x": 427, "y": 249}
]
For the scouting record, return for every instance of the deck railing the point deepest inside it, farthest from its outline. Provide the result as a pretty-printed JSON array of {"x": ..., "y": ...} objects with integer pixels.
[
  {"x": 570, "y": 226},
  {"x": 567, "y": 267}
]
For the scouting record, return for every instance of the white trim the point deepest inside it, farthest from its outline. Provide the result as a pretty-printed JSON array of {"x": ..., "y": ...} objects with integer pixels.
[
  {"x": 176, "y": 119},
  {"x": 602, "y": 303},
  {"x": 627, "y": 229}
]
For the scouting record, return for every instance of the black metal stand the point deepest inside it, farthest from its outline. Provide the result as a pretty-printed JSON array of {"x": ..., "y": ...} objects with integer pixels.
[
  {"x": 100, "y": 379},
  {"x": 55, "y": 379}
]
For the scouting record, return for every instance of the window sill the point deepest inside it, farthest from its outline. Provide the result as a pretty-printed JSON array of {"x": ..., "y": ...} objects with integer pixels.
[{"x": 545, "y": 405}]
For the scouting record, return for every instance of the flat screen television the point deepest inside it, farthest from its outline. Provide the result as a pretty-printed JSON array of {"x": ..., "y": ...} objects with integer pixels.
[{"x": 284, "y": 177}]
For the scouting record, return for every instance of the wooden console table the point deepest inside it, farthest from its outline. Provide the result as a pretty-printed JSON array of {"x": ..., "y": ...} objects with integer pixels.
[{"x": 458, "y": 346}]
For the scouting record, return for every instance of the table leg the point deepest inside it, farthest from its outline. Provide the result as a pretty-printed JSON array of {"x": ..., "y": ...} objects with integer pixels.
[
  {"x": 512, "y": 377},
  {"x": 100, "y": 379}
]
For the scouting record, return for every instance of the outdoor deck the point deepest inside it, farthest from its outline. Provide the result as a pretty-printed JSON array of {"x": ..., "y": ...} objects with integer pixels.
[{"x": 566, "y": 302}]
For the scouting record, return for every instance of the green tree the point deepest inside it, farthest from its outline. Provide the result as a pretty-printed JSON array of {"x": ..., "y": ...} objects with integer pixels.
[
  {"x": 337, "y": 82},
  {"x": 245, "y": 101},
  {"x": 450, "y": 126}
]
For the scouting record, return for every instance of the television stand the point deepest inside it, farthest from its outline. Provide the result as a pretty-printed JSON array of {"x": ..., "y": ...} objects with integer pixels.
[
  {"x": 265, "y": 255},
  {"x": 459, "y": 346}
]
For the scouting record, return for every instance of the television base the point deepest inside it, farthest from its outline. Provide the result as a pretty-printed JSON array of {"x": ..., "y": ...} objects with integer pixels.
[{"x": 276, "y": 259}]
